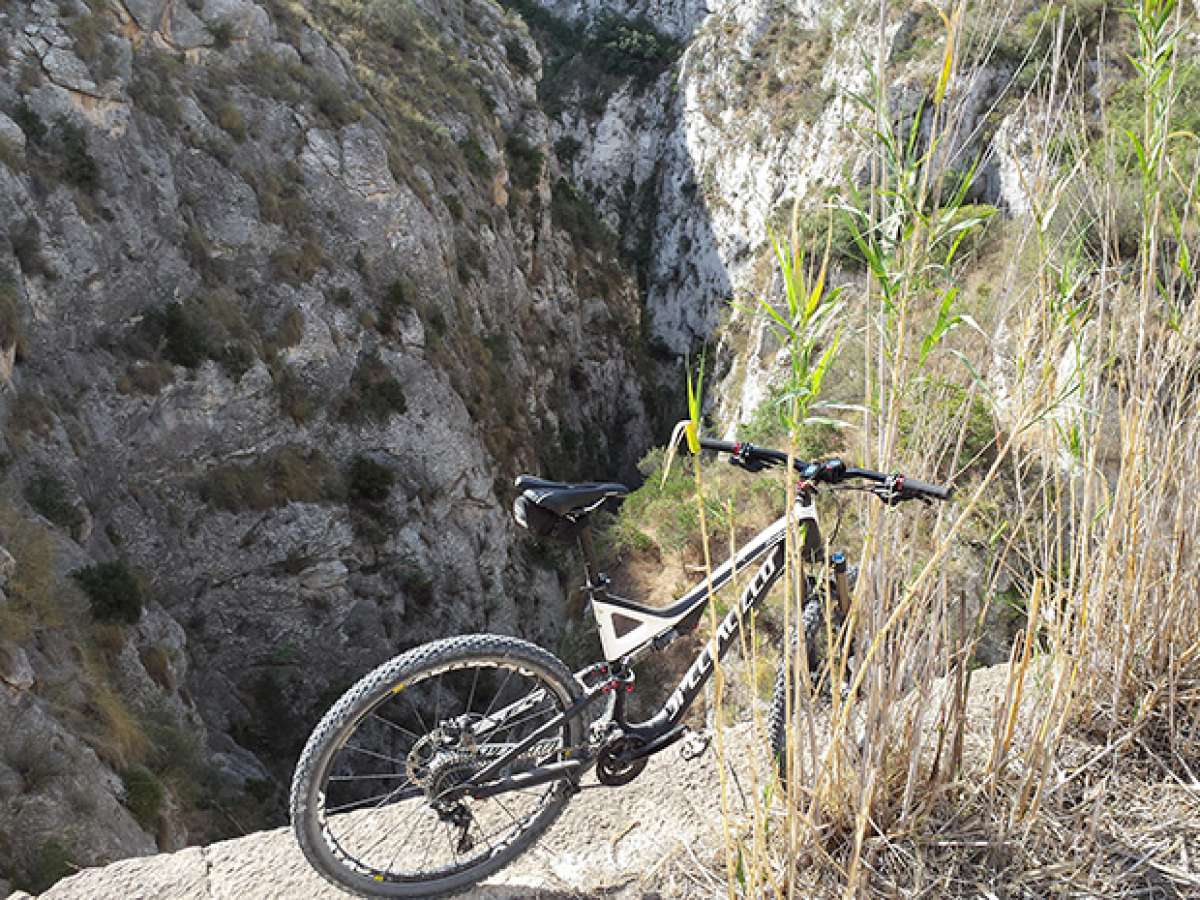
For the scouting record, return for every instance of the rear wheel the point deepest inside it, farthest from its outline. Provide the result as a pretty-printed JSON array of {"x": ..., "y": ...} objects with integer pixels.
[{"x": 374, "y": 802}]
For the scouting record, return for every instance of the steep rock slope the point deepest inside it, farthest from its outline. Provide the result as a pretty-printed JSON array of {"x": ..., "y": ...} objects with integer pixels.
[
  {"x": 758, "y": 110},
  {"x": 288, "y": 295}
]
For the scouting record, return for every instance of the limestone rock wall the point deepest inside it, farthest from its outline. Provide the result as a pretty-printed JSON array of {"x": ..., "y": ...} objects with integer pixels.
[{"x": 287, "y": 299}]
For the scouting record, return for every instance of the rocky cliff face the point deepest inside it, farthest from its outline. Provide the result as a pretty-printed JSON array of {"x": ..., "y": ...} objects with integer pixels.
[
  {"x": 289, "y": 294},
  {"x": 758, "y": 113}
]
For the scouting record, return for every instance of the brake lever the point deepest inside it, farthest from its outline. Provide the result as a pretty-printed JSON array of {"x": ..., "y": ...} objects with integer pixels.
[
  {"x": 892, "y": 497},
  {"x": 750, "y": 465},
  {"x": 886, "y": 494}
]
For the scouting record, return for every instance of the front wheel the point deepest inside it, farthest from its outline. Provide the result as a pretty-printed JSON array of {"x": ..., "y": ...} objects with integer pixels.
[
  {"x": 811, "y": 624},
  {"x": 786, "y": 695},
  {"x": 374, "y": 803}
]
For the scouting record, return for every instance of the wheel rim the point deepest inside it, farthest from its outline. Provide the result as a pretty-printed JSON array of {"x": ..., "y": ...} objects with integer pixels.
[{"x": 387, "y": 804}]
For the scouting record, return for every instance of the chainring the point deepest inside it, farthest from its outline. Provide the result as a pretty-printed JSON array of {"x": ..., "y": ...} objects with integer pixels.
[{"x": 613, "y": 769}]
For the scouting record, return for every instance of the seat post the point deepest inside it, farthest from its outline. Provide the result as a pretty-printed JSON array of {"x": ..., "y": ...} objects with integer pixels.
[{"x": 597, "y": 581}]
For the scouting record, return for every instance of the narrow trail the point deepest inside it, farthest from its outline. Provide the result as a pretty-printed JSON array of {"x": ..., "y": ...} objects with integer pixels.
[
  {"x": 643, "y": 840},
  {"x": 661, "y": 836}
]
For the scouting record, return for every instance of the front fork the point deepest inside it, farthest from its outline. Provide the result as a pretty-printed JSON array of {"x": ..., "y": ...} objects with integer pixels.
[{"x": 841, "y": 583}]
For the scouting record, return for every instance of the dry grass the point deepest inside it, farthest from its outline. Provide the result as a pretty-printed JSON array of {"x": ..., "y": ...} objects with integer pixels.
[{"x": 1073, "y": 770}]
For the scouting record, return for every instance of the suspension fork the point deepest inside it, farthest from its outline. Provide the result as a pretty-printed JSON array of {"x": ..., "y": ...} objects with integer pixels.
[{"x": 841, "y": 583}]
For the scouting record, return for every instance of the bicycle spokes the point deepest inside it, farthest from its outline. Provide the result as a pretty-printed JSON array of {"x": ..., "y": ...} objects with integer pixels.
[{"x": 397, "y": 802}]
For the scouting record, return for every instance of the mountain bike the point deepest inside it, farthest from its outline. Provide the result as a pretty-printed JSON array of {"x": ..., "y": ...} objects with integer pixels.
[{"x": 444, "y": 764}]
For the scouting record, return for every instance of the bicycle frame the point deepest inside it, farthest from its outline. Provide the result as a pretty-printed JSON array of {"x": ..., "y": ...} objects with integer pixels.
[{"x": 629, "y": 631}]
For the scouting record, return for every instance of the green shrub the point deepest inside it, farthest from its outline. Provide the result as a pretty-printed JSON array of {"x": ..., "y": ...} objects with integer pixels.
[
  {"x": 29, "y": 122},
  {"x": 280, "y": 200},
  {"x": 566, "y": 148},
  {"x": 236, "y": 359},
  {"x": 270, "y": 77},
  {"x": 153, "y": 88},
  {"x": 157, "y": 664},
  {"x": 87, "y": 31},
  {"x": 817, "y": 226},
  {"x": 222, "y": 33},
  {"x": 48, "y": 495},
  {"x": 113, "y": 589},
  {"x": 10, "y": 311},
  {"x": 230, "y": 120},
  {"x": 374, "y": 393},
  {"x": 435, "y": 322},
  {"x": 1027, "y": 45},
  {"x": 144, "y": 796},
  {"x": 295, "y": 398},
  {"x": 394, "y": 303},
  {"x": 11, "y": 156},
  {"x": 291, "y": 328},
  {"x": 289, "y": 474},
  {"x": 524, "y": 162},
  {"x": 395, "y": 21},
  {"x": 633, "y": 48},
  {"x": 206, "y": 326},
  {"x": 417, "y": 586},
  {"x": 369, "y": 482},
  {"x": 329, "y": 98},
  {"x": 35, "y": 764},
  {"x": 766, "y": 425},
  {"x": 476, "y": 160},
  {"x": 574, "y": 213},
  {"x": 947, "y": 401},
  {"x": 26, "y": 243},
  {"x": 30, "y": 75},
  {"x": 51, "y": 863},
  {"x": 298, "y": 264},
  {"x": 497, "y": 347},
  {"x": 180, "y": 333},
  {"x": 566, "y": 36},
  {"x": 29, "y": 411},
  {"x": 283, "y": 655},
  {"x": 78, "y": 166},
  {"x": 973, "y": 237},
  {"x": 518, "y": 56}
]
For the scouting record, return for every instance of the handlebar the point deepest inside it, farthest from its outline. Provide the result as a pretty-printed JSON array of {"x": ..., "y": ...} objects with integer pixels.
[{"x": 894, "y": 487}]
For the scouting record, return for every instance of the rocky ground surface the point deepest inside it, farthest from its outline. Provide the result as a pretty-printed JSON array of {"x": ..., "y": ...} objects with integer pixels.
[
  {"x": 663, "y": 835},
  {"x": 618, "y": 843}
]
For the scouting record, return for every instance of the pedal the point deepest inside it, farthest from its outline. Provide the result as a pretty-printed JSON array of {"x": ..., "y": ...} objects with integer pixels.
[{"x": 694, "y": 745}]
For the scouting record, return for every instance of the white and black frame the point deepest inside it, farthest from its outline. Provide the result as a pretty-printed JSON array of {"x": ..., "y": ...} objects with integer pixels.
[{"x": 630, "y": 631}]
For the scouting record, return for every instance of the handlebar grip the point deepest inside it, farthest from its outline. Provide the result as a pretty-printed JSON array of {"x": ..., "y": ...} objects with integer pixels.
[
  {"x": 719, "y": 446},
  {"x": 915, "y": 485}
]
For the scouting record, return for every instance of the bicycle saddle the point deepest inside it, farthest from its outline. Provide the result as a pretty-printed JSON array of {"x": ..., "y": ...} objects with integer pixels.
[{"x": 561, "y": 497}]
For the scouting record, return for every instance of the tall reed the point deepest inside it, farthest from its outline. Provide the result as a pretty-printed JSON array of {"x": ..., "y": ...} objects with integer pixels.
[{"x": 1075, "y": 507}]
